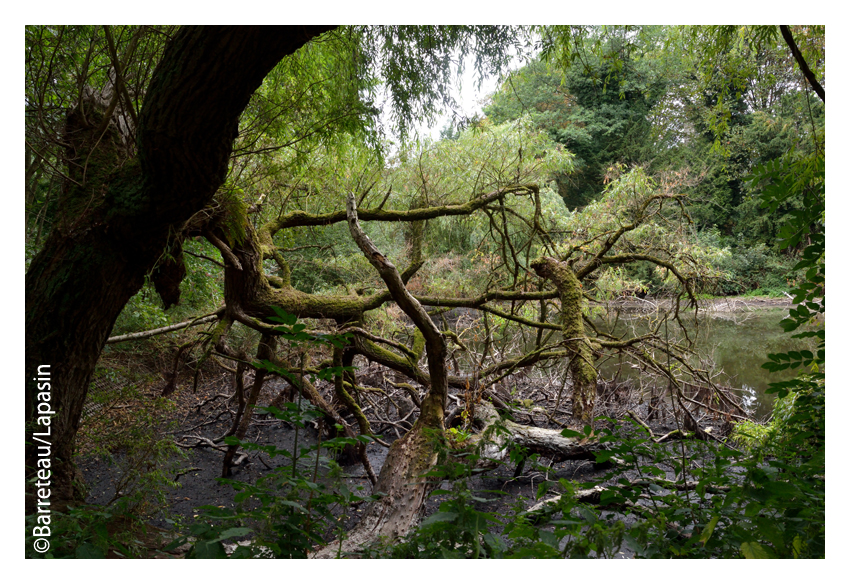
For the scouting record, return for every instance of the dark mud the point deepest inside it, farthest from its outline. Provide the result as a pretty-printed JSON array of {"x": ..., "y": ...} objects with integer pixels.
[{"x": 198, "y": 474}]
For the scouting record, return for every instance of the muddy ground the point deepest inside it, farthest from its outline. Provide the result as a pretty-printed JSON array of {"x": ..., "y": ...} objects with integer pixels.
[
  {"x": 199, "y": 472},
  {"x": 207, "y": 412}
]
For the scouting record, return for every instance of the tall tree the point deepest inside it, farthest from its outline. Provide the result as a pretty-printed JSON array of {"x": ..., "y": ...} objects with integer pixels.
[
  {"x": 596, "y": 103},
  {"x": 117, "y": 209}
]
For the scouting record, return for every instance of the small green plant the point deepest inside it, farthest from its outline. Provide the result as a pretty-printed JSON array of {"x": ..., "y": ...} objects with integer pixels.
[
  {"x": 128, "y": 427},
  {"x": 460, "y": 530},
  {"x": 91, "y": 532},
  {"x": 457, "y": 437},
  {"x": 288, "y": 511},
  {"x": 134, "y": 440},
  {"x": 765, "y": 437}
]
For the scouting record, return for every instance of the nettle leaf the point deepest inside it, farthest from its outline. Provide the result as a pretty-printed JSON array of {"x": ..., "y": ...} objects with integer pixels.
[
  {"x": 709, "y": 529},
  {"x": 204, "y": 550},
  {"x": 234, "y": 532},
  {"x": 603, "y": 456},
  {"x": 440, "y": 517},
  {"x": 753, "y": 550},
  {"x": 87, "y": 551},
  {"x": 283, "y": 316}
]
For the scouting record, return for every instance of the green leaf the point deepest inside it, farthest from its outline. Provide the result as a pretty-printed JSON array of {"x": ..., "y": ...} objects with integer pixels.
[
  {"x": 609, "y": 496},
  {"x": 603, "y": 456},
  {"x": 88, "y": 551},
  {"x": 204, "y": 550},
  {"x": 233, "y": 532},
  {"x": 754, "y": 551},
  {"x": 242, "y": 552},
  {"x": 548, "y": 538},
  {"x": 440, "y": 516},
  {"x": 709, "y": 529}
]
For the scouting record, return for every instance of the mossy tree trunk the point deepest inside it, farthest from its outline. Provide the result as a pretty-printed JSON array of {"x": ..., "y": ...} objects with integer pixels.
[
  {"x": 581, "y": 368},
  {"x": 402, "y": 478},
  {"x": 118, "y": 212}
]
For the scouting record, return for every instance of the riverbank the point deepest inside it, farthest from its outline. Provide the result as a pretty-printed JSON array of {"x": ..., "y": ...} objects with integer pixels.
[{"x": 200, "y": 415}]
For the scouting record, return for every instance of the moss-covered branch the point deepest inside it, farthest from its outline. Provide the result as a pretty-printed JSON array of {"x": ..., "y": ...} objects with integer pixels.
[
  {"x": 304, "y": 219},
  {"x": 581, "y": 368},
  {"x": 625, "y": 258}
]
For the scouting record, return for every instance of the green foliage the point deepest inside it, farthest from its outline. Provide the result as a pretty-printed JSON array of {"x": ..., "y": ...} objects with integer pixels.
[
  {"x": 703, "y": 500},
  {"x": 457, "y": 529},
  {"x": 288, "y": 511},
  {"x": 746, "y": 269},
  {"x": 142, "y": 312},
  {"x": 460, "y": 530},
  {"x": 201, "y": 289},
  {"x": 780, "y": 181},
  {"x": 91, "y": 532},
  {"x": 661, "y": 98},
  {"x": 144, "y": 456},
  {"x": 770, "y": 438},
  {"x": 597, "y": 107},
  {"x": 416, "y": 63}
]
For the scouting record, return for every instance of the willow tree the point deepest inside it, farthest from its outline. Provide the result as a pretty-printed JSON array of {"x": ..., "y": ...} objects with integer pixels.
[
  {"x": 120, "y": 200},
  {"x": 138, "y": 126}
]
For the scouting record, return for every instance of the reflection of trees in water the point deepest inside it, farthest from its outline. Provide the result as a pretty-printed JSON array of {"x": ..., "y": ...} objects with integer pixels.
[{"x": 732, "y": 346}]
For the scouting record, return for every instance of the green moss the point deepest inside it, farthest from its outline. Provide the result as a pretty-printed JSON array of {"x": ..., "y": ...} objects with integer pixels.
[
  {"x": 235, "y": 222},
  {"x": 387, "y": 357},
  {"x": 581, "y": 367},
  {"x": 418, "y": 345}
]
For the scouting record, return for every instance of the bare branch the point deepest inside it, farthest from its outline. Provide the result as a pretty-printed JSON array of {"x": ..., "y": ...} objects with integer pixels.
[{"x": 167, "y": 329}]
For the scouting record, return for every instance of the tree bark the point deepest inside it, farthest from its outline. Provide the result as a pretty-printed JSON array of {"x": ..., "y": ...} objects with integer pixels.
[
  {"x": 117, "y": 215},
  {"x": 402, "y": 478},
  {"x": 581, "y": 368},
  {"x": 543, "y": 441}
]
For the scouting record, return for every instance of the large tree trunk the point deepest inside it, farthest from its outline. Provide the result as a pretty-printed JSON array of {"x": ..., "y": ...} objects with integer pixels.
[{"x": 116, "y": 223}]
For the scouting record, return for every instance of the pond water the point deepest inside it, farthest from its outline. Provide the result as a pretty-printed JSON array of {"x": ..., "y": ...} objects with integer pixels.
[{"x": 736, "y": 344}]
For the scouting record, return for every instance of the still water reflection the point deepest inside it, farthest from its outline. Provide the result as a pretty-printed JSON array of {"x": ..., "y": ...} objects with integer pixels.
[{"x": 737, "y": 344}]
